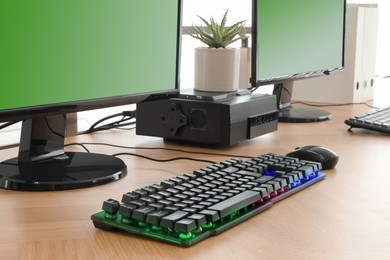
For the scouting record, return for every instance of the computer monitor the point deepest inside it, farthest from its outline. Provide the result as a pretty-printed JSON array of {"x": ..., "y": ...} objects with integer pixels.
[
  {"x": 59, "y": 57},
  {"x": 294, "y": 40}
]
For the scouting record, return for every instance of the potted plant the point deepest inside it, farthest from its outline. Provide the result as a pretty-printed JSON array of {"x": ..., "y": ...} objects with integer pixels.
[{"x": 217, "y": 67}]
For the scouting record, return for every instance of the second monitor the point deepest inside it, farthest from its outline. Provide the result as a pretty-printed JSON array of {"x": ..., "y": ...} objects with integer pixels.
[{"x": 295, "y": 40}]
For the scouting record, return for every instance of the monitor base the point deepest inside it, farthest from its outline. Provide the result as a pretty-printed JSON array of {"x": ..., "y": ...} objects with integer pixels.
[
  {"x": 303, "y": 115},
  {"x": 72, "y": 171}
]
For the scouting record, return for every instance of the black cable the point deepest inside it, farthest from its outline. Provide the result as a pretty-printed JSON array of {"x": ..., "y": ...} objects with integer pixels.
[
  {"x": 79, "y": 144},
  {"x": 164, "y": 160},
  {"x": 286, "y": 90},
  {"x": 253, "y": 89},
  {"x": 162, "y": 148},
  {"x": 51, "y": 129},
  {"x": 327, "y": 105},
  {"x": 333, "y": 105},
  {"x": 126, "y": 116},
  {"x": 315, "y": 105},
  {"x": 117, "y": 124},
  {"x": 104, "y": 119},
  {"x": 146, "y": 157}
]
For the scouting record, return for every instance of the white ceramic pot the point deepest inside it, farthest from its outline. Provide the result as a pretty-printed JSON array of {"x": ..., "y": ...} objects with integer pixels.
[{"x": 217, "y": 70}]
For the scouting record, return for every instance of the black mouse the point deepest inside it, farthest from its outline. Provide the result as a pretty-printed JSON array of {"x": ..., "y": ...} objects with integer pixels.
[{"x": 316, "y": 153}]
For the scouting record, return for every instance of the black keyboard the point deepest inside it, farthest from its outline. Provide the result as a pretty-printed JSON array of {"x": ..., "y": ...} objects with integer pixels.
[
  {"x": 379, "y": 120},
  {"x": 191, "y": 207}
]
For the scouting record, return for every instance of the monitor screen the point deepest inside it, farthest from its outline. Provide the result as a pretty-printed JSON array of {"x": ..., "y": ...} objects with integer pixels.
[
  {"x": 67, "y": 56},
  {"x": 296, "y": 39},
  {"x": 82, "y": 53}
]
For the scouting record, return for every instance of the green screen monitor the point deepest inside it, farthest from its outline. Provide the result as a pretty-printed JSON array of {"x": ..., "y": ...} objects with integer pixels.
[
  {"x": 59, "y": 57},
  {"x": 294, "y": 40}
]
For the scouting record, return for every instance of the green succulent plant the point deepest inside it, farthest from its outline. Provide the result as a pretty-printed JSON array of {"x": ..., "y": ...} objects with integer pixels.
[{"x": 217, "y": 35}]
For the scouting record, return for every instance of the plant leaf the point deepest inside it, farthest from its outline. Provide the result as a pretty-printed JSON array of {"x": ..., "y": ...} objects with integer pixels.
[{"x": 217, "y": 35}]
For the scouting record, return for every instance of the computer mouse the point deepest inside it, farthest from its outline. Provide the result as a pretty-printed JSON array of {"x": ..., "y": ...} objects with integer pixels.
[{"x": 316, "y": 153}]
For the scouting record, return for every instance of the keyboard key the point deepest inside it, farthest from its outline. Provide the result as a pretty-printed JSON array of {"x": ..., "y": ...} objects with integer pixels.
[
  {"x": 155, "y": 217},
  {"x": 127, "y": 197},
  {"x": 199, "y": 219},
  {"x": 171, "y": 209},
  {"x": 126, "y": 210},
  {"x": 246, "y": 173},
  {"x": 276, "y": 185},
  {"x": 263, "y": 192},
  {"x": 268, "y": 187},
  {"x": 263, "y": 179},
  {"x": 190, "y": 210},
  {"x": 111, "y": 206},
  {"x": 157, "y": 187},
  {"x": 167, "y": 184},
  {"x": 235, "y": 203},
  {"x": 141, "y": 193},
  {"x": 198, "y": 207},
  {"x": 137, "y": 203},
  {"x": 211, "y": 215},
  {"x": 156, "y": 196},
  {"x": 185, "y": 225},
  {"x": 199, "y": 173},
  {"x": 170, "y": 220},
  {"x": 230, "y": 170},
  {"x": 141, "y": 213},
  {"x": 156, "y": 206}
]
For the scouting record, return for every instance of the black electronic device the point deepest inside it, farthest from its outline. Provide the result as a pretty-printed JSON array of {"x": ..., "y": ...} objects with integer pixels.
[
  {"x": 191, "y": 207},
  {"x": 225, "y": 119},
  {"x": 59, "y": 57},
  {"x": 377, "y": 120},
  {"x": 316, "y": 153},
  {"x": 294, "y": 40}
]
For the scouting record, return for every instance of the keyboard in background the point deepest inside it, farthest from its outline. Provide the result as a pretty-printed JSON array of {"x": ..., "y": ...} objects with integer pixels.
[
  {"x": 379, "y": 120},
  {"x": 191, "y": 207}
]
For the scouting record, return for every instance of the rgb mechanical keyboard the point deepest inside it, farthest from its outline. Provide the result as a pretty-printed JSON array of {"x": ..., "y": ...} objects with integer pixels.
[
  {"x": 379, "y": 120},
  {"x": 191, "y": 207}
]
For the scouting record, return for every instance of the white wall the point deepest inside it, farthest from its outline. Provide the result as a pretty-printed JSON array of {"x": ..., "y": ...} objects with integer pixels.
[
  {"x": 383, "y": 54},
  {"x": 241, "y": 10},
  {"x": 238, "y": 10}
]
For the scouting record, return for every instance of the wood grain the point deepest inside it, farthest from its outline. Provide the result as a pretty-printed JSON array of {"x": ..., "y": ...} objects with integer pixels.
[{"x": 346, "y": 216}]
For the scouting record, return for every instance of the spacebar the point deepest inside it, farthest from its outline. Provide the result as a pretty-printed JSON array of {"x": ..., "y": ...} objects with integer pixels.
[{"x": 235, "y": 203}]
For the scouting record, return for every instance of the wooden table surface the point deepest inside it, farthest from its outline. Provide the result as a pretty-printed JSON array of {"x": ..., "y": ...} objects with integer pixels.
[{"x": 345, "y": 216}]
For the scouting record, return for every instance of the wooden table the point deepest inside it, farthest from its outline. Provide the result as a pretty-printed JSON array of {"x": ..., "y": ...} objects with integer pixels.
[{"x": 345, "y": 216}]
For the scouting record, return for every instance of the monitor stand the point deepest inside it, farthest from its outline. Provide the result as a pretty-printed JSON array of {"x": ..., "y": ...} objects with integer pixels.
[
  {"x": 288, "y": 113},
  {"x": 42, "y": 163}
]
